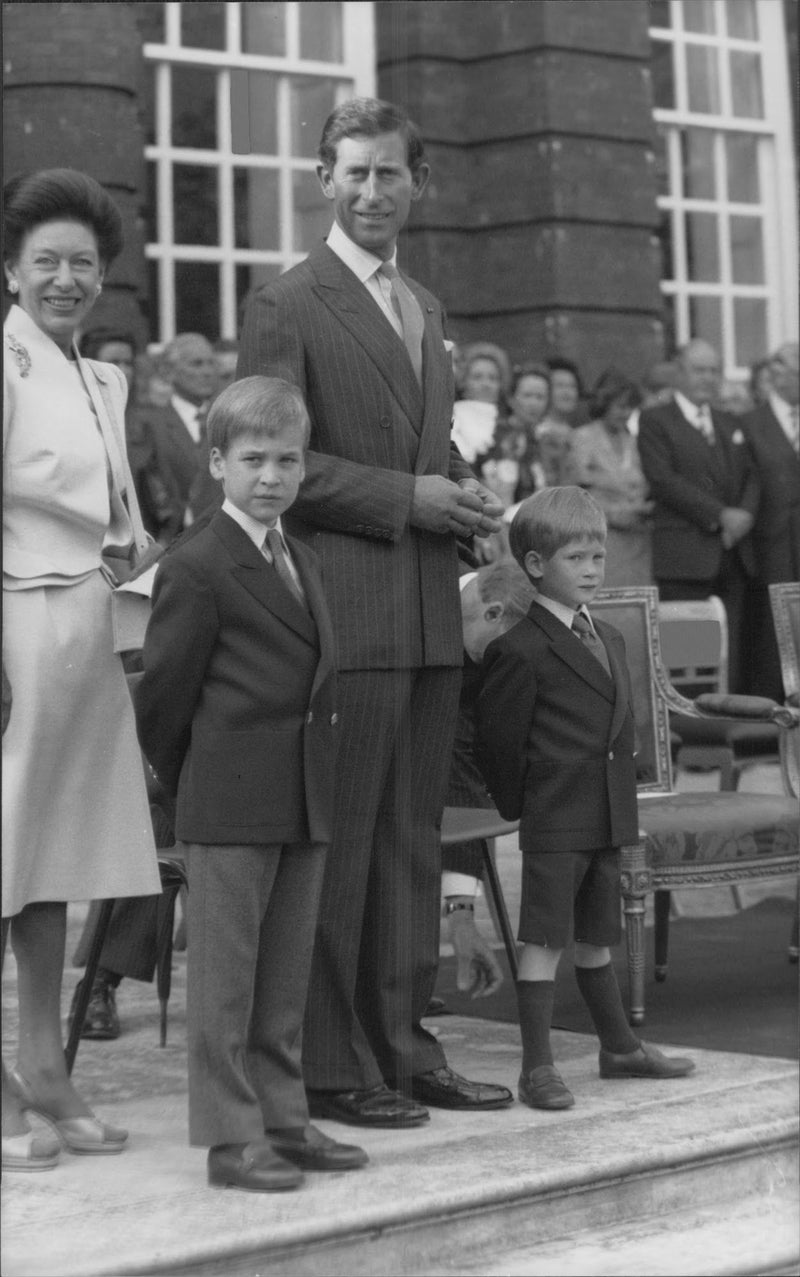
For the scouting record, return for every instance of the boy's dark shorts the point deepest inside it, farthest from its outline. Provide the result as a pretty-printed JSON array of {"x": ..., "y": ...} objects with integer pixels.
[{"x": 570, "y": 894}]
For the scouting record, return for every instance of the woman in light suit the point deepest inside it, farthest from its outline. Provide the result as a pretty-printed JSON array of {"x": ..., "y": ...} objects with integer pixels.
[{"x": 76, "y": 822}]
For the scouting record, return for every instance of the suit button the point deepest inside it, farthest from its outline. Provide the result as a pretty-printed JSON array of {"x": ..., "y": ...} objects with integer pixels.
[
  {"x": 310, "y": 718},
  {"x": 611, "y": 753},
  {"x": 334, "y": 719},
  {"x": 386, "y": 422}
]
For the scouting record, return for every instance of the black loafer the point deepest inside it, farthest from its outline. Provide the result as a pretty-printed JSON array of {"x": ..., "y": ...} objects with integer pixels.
[
  {"x": 646, "y": 1061},
  {"x": 377, "y": 1106},
  {"x": 443, "y": 1088},
  {"x": 544, "y": 1088},
  {"x": 256, "y": 1168},
  {"x": 312, "y": 1151}
]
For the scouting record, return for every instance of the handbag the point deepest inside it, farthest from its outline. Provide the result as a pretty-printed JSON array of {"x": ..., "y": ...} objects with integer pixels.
[{"x": 130, "y": 601}]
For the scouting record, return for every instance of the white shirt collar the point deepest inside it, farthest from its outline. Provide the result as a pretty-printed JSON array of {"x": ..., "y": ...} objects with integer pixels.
[
  {"x": 256, "y": 530},
  {"x": 561, "y": 612},
  {"x": 690, "y": 410},
  {"x": 357, "y": 259},
  {"x": 783, "y": 412}
]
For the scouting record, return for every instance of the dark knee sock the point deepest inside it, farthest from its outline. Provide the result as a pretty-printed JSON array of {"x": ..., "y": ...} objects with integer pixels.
[
  {"x": 535, "y": 1001},
  {"x": 600, "y": 991}
]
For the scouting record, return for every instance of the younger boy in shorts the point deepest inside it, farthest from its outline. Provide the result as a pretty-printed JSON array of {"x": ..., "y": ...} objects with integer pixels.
[
  {"x": 236, "y": 714},
  {"x": 555, "y": 741}
]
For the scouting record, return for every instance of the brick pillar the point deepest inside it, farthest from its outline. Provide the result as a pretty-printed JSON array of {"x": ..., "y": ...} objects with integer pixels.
[
  {"x": 537, "y": 230},
  {"x": 72, "y": 77}
]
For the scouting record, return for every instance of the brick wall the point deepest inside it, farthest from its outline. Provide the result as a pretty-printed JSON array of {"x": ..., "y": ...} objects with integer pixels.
[{"x": 537, "y": 229}]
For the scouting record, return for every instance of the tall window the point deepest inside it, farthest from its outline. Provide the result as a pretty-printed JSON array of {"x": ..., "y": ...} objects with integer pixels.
[
  {"x": 726, "y": 175},
  {"x": 223, "y": 223}
]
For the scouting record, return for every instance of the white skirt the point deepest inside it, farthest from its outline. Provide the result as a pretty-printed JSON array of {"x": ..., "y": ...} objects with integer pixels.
[{"x": 76, "y": 819}]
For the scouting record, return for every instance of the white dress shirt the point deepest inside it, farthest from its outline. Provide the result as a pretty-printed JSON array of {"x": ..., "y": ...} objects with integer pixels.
[
  {"x": 366, "y": 267},
  {"x": 786, "y": 416},
  {"x": 188, "y": 413},
  {"x": 257, "y": 532}
]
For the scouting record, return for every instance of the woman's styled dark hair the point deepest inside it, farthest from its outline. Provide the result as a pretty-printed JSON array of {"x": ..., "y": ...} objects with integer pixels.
[
  {"x": 59, "y": 195},
  {"x": 369, "y": 117},
  {"x": 610, "y": 386}
]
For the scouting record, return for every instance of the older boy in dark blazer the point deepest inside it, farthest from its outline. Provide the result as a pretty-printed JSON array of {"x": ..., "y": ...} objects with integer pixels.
[
  {"x": 555, "y": 741},
  {"x": 237, "y": 716}
]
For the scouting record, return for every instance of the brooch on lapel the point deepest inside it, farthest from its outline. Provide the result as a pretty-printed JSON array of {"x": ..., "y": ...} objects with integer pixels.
[{"x": 20, "y": 353}]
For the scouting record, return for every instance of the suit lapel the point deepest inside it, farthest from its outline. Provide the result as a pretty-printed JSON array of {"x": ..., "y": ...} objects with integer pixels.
[
  {"x": 253, "y": 572},
  {"x": 568, "y": 648},
  {"x": 339, "y": 289},
  {"x": 620, "y": 674}
]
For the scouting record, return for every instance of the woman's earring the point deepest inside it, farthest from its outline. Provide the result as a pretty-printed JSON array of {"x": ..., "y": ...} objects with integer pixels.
[
  {"x": 13, "y": 286},
  {"x": 99, "y": 290}
]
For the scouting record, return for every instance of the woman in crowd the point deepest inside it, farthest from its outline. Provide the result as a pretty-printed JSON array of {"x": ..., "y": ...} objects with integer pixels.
[
  {"x": 515, "y": 467},
  {"x": 76, "y": 821},
  {"x": 481, "y": 406},
  {"x": 604, "y": 459}
]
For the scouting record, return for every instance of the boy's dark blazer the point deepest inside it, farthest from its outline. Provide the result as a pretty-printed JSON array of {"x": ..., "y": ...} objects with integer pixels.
[
  {"x": 691, "y": 484},
  {"x": 236, "y": 709},
  {"x": 776, "y": 533},
  {"x": 556, "y": 737}
]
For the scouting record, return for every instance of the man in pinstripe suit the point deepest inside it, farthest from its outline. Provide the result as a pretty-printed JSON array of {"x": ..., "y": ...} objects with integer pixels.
[{"x": 384, "y": 499}]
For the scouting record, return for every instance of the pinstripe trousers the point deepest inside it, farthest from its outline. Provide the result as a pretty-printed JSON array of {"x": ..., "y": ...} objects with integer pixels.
[{"x": 377, "y": 945}]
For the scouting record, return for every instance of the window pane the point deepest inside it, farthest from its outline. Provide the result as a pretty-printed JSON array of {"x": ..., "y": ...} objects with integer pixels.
[
  {"x": 660, "y": 13},
  {"x": 743, "y": 186},
  {"x": 698, "y": 15},
  {"x": 661, "y": 153},
  {"x": 321, "y": 31},
  {"x": 705, "y": 320},
  {"x": 664, "y": 234},
  {"x": 702, "y": 74},
  {"x": 256, "y": 209},
  {"x": 748, "y": 102},
  {"x": 697, "y": 156},
  {"x": 195, "y": 204},
  {"x": 750, "y": 322},
  {"x": 663, "y": 73},
  {"x": 194, "y": 108},
  {"x": 311, "y": 102},
  {"x": 203, "y": 26},
  {"x": 150, "y": 21},
  {"x": 747, "y": 251},
  {"x": 263, "y": 90},
  {"x": 197, "y": 298},
  {"x": 248, "y": 279},
  {"x": 263, "y": 29},
  {"x": 742, "y": 20},
  {"x": 702, "y": 250},
  {"x": 670, "y": 321},
  {"x": 150, "y": 209},
  {"x": 312, "y": 212}
]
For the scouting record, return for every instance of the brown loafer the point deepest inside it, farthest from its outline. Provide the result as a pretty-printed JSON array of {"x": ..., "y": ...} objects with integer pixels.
[
  {"x": 257, "y": 1168},
  {"x": 445, "y": 1089},
  {"x": 378, "y": 1106},
  {"x": 543, "y": 1088},
  {"x": 646, "y": 1061}
]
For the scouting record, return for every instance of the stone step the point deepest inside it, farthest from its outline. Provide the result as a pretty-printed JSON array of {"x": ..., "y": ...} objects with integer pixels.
[{"x": 463, "y": 1193}]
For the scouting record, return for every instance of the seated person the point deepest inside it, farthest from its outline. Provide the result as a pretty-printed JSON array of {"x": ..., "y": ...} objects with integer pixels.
[{"x": 555, "y": 742}]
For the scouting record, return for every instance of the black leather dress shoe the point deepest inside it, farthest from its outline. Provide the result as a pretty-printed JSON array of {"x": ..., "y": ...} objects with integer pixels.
[
  {"x": 102, "y": 1021},
  {"x": 543, "y": 1088},
  {"x": 257, "y": 1168},
  {"x": 443, "y": 1088},
  {"x": 376, "y": 1107},
  {"x": 312, "y": 1151},
  {"x": 646, "y": 1061}
]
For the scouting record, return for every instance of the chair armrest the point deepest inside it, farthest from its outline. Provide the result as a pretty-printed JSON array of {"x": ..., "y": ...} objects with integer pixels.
[{"x": 753, "y": 708}]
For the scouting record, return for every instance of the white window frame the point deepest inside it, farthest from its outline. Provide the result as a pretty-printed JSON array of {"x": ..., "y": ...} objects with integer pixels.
[
  {"x": 777, "y": 179},
  {"x": 357, "y": 75}
]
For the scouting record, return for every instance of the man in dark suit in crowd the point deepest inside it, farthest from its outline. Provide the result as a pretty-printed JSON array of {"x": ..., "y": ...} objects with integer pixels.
[
  {"x": 176, "y": 432},
  {"x": 384, "y": 498},
  {"x": 774, "y": 437},
  {"x": 705, "y": 489}
]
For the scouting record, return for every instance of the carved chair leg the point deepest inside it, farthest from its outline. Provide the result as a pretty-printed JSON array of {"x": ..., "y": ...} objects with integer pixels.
[
  {"x": 661, "y": 901},
  {"x": 635, "y": 882},
  {"x": 794, "y": 950}
]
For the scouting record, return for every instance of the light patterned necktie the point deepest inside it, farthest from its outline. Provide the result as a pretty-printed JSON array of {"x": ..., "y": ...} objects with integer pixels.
[
  {"x": 591, "y": 642},
  {"x": 275, "y": 553},
  {"x": 704, "y": 423},
  {"x": 408, "y": 311}
]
